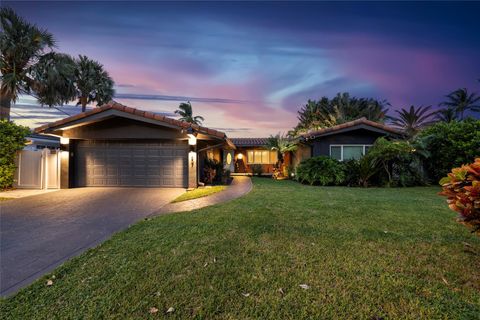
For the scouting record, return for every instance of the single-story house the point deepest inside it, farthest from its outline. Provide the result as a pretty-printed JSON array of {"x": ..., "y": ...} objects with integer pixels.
[
  {"x": 37, "y": 141},
  {"x": 115, "y": 145}
]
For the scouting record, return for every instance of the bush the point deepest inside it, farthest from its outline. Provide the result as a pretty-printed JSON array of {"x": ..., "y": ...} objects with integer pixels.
[
  {"x": 257, "y": 169},
  {"x": 462, "y": 188},
  {"x": 321, "y": 170},
  {"x": 213, "y": 171},
  {"x": 450, "y": 145},
  {"x": 12, "y": 140}
]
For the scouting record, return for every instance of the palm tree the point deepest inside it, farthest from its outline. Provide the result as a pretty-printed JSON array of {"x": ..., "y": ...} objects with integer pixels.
[
  {"x": 186, "y": 114},
  {"x": 282, "y": 145},
  {"x": 447, "y": 115},
  {"x": 93, "y": 83},
  {"x": 413, "y": 120},
  {"x": 21, "y": 45},
  {"x": 461, "y": 101}
]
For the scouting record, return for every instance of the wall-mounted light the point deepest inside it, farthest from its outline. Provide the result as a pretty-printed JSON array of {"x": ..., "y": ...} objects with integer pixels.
[
  {"x": 64, "y": 140},
  {"x": 240, "y": 156},
  {"x": 192, "y": 158},
  {"x": 192, "y": 140}
]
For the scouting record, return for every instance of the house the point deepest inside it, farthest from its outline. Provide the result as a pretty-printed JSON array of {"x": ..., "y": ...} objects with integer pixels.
[
  {"x": 349, "y": 140},
  {"x": 115, "y": 145},
  {"x": 40, "y": 141}
]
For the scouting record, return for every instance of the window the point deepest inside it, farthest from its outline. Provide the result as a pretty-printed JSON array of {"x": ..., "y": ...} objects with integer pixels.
[
  {"x": 261, "y": 157},
  {"x": 347, "y": 152}
]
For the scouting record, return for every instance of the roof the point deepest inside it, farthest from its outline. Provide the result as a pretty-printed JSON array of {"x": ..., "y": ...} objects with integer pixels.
[
  {"x": 112, "y": 105},
  {"x": 361, "y": 123},
  {"x": 249, "y": 142}
]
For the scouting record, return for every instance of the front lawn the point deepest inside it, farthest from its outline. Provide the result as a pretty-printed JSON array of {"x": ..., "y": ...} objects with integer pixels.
[
  {"x": 199, "y": 193},
  {"x": 283, "y": 251}
]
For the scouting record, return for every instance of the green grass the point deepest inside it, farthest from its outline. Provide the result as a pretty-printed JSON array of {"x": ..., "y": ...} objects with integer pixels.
[
  {"x": 199, "y": 193},
  {"x": 5, "y": 199},
  {"x": 364, "y": 253}
]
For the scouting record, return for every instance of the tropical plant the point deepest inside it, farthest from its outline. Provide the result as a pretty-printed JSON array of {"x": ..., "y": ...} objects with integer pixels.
[
  {"x": 257, "y": 169},
  {"x": 21, "y": 45},
  {"x": 321, "y": 170},
  {"x": 462, "y": 189},
  {"x": 282, "y": 145},
  {"x": 342, "y": 108},
  {"x": 186, "y": 114},
  {"x": 12, "y": 139},
  {"x": 213, "y": 171},
  {"x": 446, "y": 115},
  {"x": 411, "y": 121},
  {"x": 461, "y": 101},
  {"x": 92, "y": 82},
  {"x": 449, "y": 145}
]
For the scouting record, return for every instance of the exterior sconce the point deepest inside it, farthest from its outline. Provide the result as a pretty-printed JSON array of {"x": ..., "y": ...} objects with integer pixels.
[
  {"x": 240, "y": 156},
  {"x": 192, "y": 140},
  {"x": 64, "y": 140},
  {"x": 192, "y": 158}
]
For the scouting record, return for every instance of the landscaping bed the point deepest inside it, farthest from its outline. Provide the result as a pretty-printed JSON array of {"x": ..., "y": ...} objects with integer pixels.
[{"x": 283, "y": 251}]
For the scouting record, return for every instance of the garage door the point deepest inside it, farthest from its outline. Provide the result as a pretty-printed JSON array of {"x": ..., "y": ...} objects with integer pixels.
[{"x": 123, "y": 163}]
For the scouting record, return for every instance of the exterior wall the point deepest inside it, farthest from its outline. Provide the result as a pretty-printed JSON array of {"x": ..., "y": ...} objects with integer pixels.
[
  {"x": 303, "y": 152},
  {"x": 241, "y": 165},
  {"x": 321, "y": 145}
]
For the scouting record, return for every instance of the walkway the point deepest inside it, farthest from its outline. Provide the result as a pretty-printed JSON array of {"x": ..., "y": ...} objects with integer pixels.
[{"x": 240, "y": 186}]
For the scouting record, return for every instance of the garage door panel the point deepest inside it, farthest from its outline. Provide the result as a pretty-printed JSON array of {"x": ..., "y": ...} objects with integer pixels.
[{"x": 123, "y": 163}]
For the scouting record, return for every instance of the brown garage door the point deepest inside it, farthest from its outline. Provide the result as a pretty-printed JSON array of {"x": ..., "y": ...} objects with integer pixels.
[{"x": 132, "y": 164}]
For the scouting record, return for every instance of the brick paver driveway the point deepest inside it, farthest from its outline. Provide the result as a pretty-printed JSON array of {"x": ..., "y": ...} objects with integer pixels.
[{"x": 40, "y": 232}]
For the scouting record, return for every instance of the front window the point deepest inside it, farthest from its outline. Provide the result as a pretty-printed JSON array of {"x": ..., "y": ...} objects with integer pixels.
[
  {"x": 261, "y": 157},
  {"x": 348, "y": 152}
]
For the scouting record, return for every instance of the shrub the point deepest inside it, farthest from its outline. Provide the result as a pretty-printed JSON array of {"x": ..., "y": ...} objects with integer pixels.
[
  {"x": 321, "y": 170},
  {"x": 352, "y": 172},
  {"x": 213, "y": 171},
  {"x": 462, "y": 188},
  {"x": 257, "y": 169},
  {"x": 450, "y": 145},
  {"x": 12, "y": 140}
]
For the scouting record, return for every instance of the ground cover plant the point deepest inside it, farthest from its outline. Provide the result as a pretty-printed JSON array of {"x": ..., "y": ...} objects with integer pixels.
[
  {"x": 199, "y": 193},
  {"x": 283, "y": 251}
]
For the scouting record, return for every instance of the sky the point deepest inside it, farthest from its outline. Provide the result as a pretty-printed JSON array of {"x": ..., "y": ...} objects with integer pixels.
[{"x": 247, "y": 67}]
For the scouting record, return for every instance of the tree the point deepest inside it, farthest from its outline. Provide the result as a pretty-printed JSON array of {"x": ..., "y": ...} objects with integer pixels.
[
  {"x": 411, "y": 121},
  {"x": 446, "y": 115},
  {"x": 186, "y": 114},
  {"x": 281, "y": 144},
  {"x": 92, "y": 82},
  {"x": 21, "y": 45},
  {"x": 342, "y": 108},
  {"x": 461, "y": 101},
  {"x": 12, "y": 139}
]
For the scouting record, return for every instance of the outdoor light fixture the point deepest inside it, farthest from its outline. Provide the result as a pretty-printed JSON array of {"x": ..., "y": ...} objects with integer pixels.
[
  {"x": 192, "y": 140},
  {"x": 192, "y": 156},
  {"x": 240, "y": 156},
  {"x": 64, "y": 140}
]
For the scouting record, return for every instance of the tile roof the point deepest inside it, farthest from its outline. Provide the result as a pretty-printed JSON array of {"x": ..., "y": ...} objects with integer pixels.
[
  {"x": 249, "y": 142},
  {"x": 112, "y": 105},
  {"x": 350, "y": 124}
]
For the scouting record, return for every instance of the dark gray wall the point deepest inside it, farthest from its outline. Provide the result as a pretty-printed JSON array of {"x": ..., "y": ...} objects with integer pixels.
[{"x": 321, "y": 145}]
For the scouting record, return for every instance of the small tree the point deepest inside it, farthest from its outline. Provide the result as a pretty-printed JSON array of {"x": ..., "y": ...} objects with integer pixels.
[
  {"x": 12, "y": 139},
  {"x": 462, "y": 188},
  {"x": 282, "y": 145}
]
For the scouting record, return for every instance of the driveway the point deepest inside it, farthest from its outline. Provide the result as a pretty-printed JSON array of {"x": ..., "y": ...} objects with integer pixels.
[{"x": 40, "y": 232}]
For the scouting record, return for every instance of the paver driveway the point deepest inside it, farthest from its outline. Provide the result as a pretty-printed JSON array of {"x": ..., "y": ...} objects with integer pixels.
[{"x": 40, "y": 232}]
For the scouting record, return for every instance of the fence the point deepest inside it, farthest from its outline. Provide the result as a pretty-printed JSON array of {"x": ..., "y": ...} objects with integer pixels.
[{"x": 38, "y": 169}]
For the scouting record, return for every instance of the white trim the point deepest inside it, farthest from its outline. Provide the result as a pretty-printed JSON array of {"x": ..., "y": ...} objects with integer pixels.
[{"x": 348, "y": 145}]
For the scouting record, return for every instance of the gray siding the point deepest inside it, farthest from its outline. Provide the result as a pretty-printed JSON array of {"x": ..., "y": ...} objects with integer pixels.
[{"x": 321, "y": 145}]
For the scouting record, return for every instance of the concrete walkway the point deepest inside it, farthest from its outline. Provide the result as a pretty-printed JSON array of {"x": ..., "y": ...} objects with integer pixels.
[
  {"x": 21, "y": 193},
  {"x": 239, "y": 187}
]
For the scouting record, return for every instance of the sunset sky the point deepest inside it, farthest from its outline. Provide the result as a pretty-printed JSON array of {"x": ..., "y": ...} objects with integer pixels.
[{"x": 248, "y": 67}]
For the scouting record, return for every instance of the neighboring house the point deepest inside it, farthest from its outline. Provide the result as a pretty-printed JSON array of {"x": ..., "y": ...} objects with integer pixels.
[
  {"x": 115, "y": 145},
  {"x": 252, "y": 151},
  {"x": 40, "y": 141},
  {"x": 345, "y": 141}
]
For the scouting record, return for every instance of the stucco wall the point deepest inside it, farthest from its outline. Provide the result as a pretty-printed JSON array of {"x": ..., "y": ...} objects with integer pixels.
[{"x": 321, "y": 145}]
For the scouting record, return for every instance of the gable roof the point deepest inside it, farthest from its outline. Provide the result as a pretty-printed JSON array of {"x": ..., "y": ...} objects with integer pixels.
[
  {"x": 112, "y": 105},
  {"x": 361, "y": 123},
  {"x": 249, "y": 142}
]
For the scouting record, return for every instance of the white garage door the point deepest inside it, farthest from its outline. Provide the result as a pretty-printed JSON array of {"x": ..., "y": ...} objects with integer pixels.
[{"x": 132, "y": 164}]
